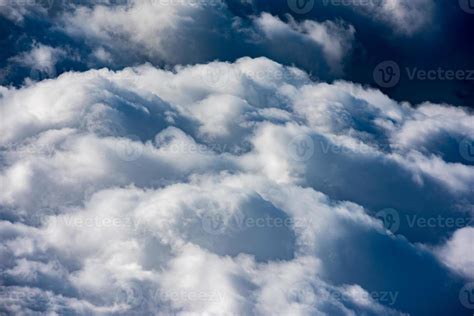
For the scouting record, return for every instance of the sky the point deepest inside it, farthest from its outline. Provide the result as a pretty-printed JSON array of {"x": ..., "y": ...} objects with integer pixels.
[{"x": 211, "y": 157}]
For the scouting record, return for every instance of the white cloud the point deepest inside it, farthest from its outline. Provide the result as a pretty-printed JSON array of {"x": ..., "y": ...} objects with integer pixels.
[
  {"x": 406, "y": 16},
  {"x": 334, "y": 38},
  {"x": 41, "y": 58},
  {"x": 458, "y": 252},
  {"x": 182, "y": 191}
]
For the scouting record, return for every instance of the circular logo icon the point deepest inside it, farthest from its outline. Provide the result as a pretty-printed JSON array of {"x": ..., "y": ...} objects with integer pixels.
[
  {"x": 467, "y": 6},
  {"x": 387, "y": 74},
  {"x": 390, "y": 219},
  {"x": 213, "y": 224},
  {"x": 301, "y": 6},
  {"x": 42, "y": 74},
  {"x": 466, "y": 149},
  {"x": 301, "y": 148},
  {"x": 130, "y": 295},
  {"x": 301, "y": 293},
  {"x": 466, "y": 295},
  {"x": 216, "y": 77},
  {"x": 129, "y": 148}
]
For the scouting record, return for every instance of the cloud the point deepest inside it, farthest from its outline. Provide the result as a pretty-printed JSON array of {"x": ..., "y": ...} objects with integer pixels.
[
  {"x": 407, "y": 17},
  {"x": 41, "y": 58},
  {"x": 457, "y": 252},
  {"x": 334, "y": 38},
  {"x": 238, "y": 187}
]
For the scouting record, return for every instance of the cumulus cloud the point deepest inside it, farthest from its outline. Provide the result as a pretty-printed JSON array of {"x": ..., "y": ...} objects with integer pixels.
[
  {"x": 227, "y": 188},
  {"x": 159, "y": 30},
  {"x": 405, "y": 16},
  {"x": 17, "y": 11},
  {"x": 457, "y": 252},
  {"x": 334, "y": 38},
  {"x": 41, "y": 58}
]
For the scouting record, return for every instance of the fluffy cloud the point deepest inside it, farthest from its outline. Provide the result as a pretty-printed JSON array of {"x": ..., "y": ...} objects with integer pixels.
[
  {"x": 457, "y": 252},
  {"x": 41, "y": 58},
  {"x": 406, "y": 16},
  {"x": 158, "y": 31},
  {"x": 228, "y": 188},
  {"x": 334, "y": 39}
]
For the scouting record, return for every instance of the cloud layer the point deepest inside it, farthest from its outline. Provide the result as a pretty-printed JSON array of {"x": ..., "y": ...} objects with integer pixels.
[{"x": 231, "y": 188}]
